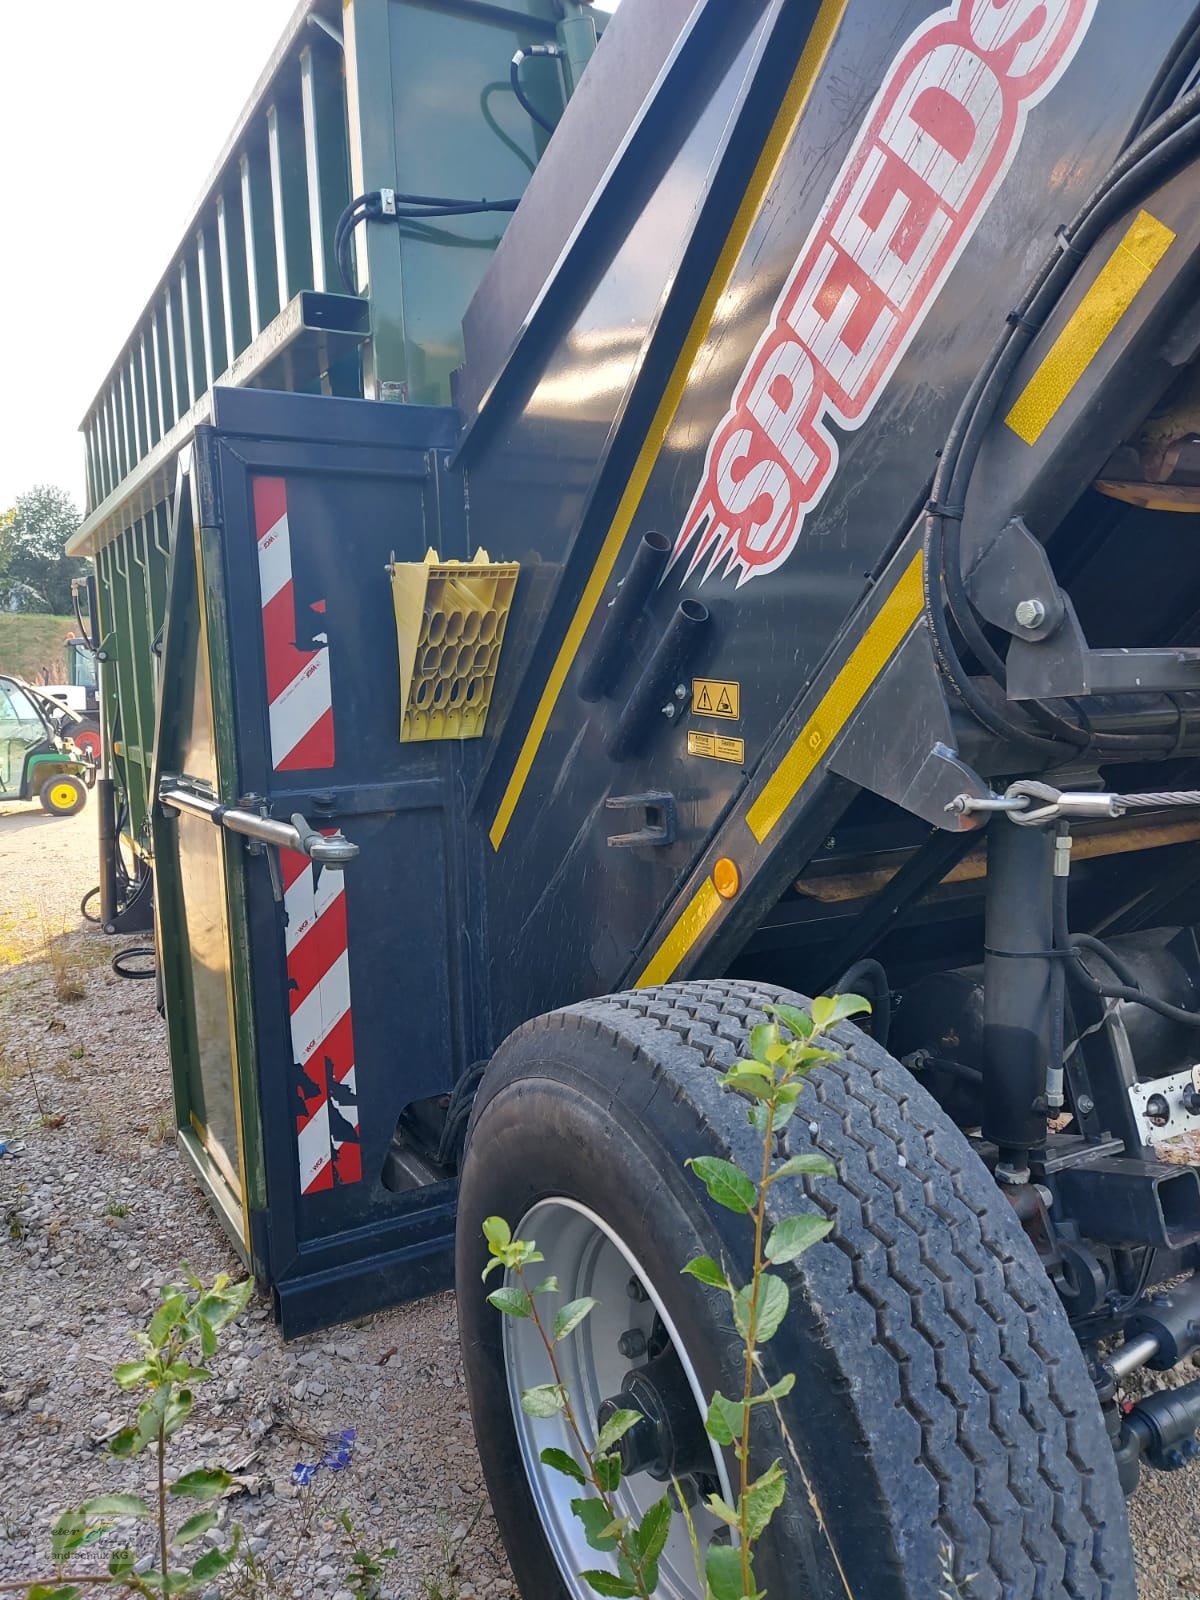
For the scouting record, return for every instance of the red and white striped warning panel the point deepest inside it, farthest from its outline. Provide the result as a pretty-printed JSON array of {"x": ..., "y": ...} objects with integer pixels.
[
  {"x": 318, "y": 969},
  {"x": 318, "y": 960},
  {"x": 298, "y": 689}
]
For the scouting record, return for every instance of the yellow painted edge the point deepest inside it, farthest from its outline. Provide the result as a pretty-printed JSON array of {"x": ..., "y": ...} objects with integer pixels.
[
  {"x": 225, "y": 845},
  {"x": 863, "y": 665},
  {"x": 1140, "y": 250},
  {"x": 808, "y": 68},
  {"x": 699, "y": 912}
]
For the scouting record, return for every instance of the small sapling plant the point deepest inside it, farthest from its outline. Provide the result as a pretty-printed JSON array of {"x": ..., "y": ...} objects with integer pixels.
[
  {"x": 181, "y": 1336},
  {"x": 637, "y": 1547},
  {"x": 782, "y": 1054},
  {"x": 368, "y": 1563},
  {"x": 783, "y": 1051}
]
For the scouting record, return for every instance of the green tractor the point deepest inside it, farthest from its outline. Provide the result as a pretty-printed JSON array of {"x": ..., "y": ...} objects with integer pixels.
[{"x": 36, "y": 761}]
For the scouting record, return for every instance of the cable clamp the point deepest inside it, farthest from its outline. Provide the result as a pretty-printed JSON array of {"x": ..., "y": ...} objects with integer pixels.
[
  {"x": 387, "y": 202},
  {"x": 1027, "y": 955},
  {"x": 942, "y": 508},
  {"x": 1056, "y": 804},
  {"x": 1063, "y": 240}
]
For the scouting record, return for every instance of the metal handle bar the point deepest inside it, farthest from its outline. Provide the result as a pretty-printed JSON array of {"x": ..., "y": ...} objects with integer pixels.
[{"x": 333, "y": 850}]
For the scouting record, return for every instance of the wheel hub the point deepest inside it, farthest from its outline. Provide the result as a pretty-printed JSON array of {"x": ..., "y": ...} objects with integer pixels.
[
  {"x": 669, "y": 1441},
  {"x": 603, "y": 1367}
]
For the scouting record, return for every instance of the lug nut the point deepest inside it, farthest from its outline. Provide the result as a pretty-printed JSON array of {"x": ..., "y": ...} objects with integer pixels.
[
  {"x": 1030, "y": 613},
  {"x": 632, "y": 1344},
  {"x": 635, "y": 1291}
]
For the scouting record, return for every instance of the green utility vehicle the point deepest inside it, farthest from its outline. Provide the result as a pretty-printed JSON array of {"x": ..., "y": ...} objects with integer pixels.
[{"x": 35, "y": 760}]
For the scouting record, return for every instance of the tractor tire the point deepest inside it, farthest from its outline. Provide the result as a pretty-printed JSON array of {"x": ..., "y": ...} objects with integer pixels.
[
  {"x": 943, "y": 1437},
  {"x": 63, "y": 795},
  {"x": 88, "y": 741}
]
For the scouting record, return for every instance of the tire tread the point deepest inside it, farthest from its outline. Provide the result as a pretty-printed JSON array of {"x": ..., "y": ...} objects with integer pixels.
[{"x": 1019, "y": 1494}]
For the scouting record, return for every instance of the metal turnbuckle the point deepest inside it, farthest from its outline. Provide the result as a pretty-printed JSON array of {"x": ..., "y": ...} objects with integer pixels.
[{"x": 331, "y": 850}]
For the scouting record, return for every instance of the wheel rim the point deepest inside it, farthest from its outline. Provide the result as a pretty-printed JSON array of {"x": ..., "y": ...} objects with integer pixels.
[
  {"x": 62, "y": 796},
  {"x": 588, "y": 1257}
]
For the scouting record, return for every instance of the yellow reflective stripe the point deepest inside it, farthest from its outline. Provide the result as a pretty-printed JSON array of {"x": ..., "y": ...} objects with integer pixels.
[
  {"x": 1094, "y": 318},
  {"x": 812, "y": 59},
  {"x": 863, "y": 665},
  {"x": 701, "y": 909}
]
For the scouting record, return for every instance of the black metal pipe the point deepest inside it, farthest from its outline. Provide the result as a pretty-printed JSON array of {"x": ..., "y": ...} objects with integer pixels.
[
  {"x": 1160, "y": 1430},
  {"x": 665, "y": 670},
  {"x": 928, "y": 866},
  {"x": 1017, "y": 994},
  {"x": 109, "y": 845},
  {"x": 638, "y": 584}
]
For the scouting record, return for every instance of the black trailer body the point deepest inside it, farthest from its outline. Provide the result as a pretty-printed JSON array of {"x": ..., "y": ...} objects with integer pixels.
[{"x": 799, "y": 596}]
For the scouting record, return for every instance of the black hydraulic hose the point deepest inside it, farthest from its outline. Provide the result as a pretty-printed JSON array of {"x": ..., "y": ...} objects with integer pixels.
[
  {"x": 962, "y": 683},
  {"x": 347, "y": 222},
  {"x": 523, "y": 100},
  {"x": 85, "y": 636},
  {"x": 1057, "y": 1043},
  {"x": 1085, "y": 941},
  {"x": 1140, "y": 163},
  {"x": 1121, "y": 991},
  {"x": 1169, "y": 78},
  {"x": 1177, "y": 79},
  {"x": 405, "y": 208},
  {"x": 1145, "y": 162},
  {"x": 1070, "y": 945},
  {"x": 135, "y": 952},
  {"x": 869, "y": 978}
]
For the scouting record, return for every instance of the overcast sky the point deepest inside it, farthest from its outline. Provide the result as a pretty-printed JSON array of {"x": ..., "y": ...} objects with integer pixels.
[{"x": 111, "y": 117}]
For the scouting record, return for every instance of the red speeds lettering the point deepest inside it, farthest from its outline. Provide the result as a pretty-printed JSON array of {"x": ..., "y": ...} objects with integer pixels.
[{"x": 940, "y": 135}]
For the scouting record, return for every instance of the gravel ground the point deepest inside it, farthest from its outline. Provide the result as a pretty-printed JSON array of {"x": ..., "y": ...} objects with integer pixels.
[{"x": 97, "y": 1211}]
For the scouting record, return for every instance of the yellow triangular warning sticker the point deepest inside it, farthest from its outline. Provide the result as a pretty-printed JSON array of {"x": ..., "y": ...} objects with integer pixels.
[{"x": 717, "y": 697}]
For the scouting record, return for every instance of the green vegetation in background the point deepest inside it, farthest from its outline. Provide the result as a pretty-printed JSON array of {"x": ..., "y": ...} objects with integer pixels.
[
  {"x": 35, "y": 571},
  {"x": 31, "y": 646}
]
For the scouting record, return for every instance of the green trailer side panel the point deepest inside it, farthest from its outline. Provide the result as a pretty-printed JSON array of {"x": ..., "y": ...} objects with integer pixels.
[
  {"x": 200, "y": 903},
  {"x": 431, "y": 112}
]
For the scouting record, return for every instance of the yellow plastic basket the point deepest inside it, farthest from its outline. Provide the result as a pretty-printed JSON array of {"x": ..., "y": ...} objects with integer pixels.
[{"x": 450, "y": 620}]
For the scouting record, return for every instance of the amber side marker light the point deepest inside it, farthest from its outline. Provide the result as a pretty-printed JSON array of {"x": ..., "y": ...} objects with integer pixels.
[{"x": 727, "y": 880}]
